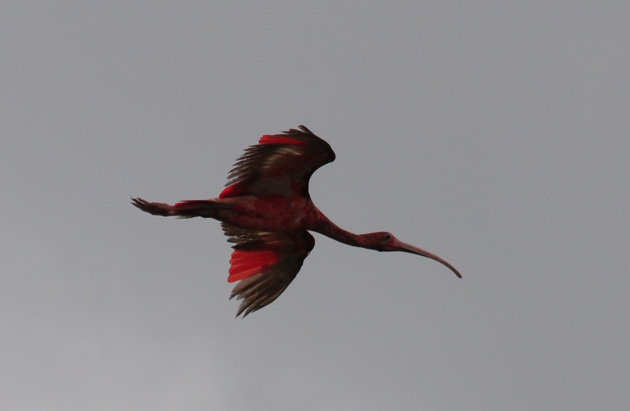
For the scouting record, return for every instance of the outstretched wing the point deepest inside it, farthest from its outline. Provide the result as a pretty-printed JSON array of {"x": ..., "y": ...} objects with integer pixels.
[
  {"x": 279, "y": 164},
  {"x": 264, "y": 263}
]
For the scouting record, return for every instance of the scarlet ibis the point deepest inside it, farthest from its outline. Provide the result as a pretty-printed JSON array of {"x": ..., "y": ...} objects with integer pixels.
[{"x": 265, "y": 209}]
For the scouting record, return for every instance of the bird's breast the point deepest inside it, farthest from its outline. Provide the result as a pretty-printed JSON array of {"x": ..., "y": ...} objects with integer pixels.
[{"x": 270, "y": 213}]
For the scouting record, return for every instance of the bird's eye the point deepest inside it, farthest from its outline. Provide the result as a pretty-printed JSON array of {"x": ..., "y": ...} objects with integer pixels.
[{"x": 387, "y": 237}]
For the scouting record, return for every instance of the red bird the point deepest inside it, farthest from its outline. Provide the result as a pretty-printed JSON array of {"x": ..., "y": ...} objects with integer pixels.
[{"x": 267, "y": 212}]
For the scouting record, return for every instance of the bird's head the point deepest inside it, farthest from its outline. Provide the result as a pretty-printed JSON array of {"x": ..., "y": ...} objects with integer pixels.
[{"x": 384, "y": 241}]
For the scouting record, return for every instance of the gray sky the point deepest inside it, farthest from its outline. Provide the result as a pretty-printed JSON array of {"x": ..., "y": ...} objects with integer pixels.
[{"x": 493, "y": 133}]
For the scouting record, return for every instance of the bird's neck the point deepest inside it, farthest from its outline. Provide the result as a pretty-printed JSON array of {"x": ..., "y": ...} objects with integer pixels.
[{"x": 323, "y": 225}]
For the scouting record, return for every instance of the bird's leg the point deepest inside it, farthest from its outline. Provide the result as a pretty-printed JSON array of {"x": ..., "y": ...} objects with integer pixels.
[
  {"x": 183, "y": 209},
  {"x": 154, "y": 208}
]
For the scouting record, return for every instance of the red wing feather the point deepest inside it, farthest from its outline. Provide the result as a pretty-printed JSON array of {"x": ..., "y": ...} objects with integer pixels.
[
  {"x": 279, "y": 165},
  {"x": 275, "y": 139},
  {"x": 264, "y": 264},
  {"x": 245, "y": 263},
  {"x": 233, "y": 190}
]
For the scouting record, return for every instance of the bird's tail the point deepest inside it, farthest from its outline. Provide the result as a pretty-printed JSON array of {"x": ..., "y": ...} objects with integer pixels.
[{"x": 183, "y": 209}]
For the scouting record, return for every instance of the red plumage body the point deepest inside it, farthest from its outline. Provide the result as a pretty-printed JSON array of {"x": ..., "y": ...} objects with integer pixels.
[{"x": 266, "y": 211}]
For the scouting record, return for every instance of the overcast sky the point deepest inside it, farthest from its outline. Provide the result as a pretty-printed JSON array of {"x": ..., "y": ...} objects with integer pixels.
[{"x": 493, "y": 133}]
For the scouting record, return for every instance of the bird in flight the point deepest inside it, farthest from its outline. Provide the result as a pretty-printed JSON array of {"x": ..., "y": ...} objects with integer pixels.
[{"x": 266, "y": 211}]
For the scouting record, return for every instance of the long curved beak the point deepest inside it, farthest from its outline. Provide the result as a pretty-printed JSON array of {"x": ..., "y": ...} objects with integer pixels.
[{"x": 408, "y": 248}]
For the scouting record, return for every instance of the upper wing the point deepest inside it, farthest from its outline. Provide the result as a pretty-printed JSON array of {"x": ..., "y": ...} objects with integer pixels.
[
  {"x": 278, "y": 164},
  {"x": 265, "y": 263}
]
